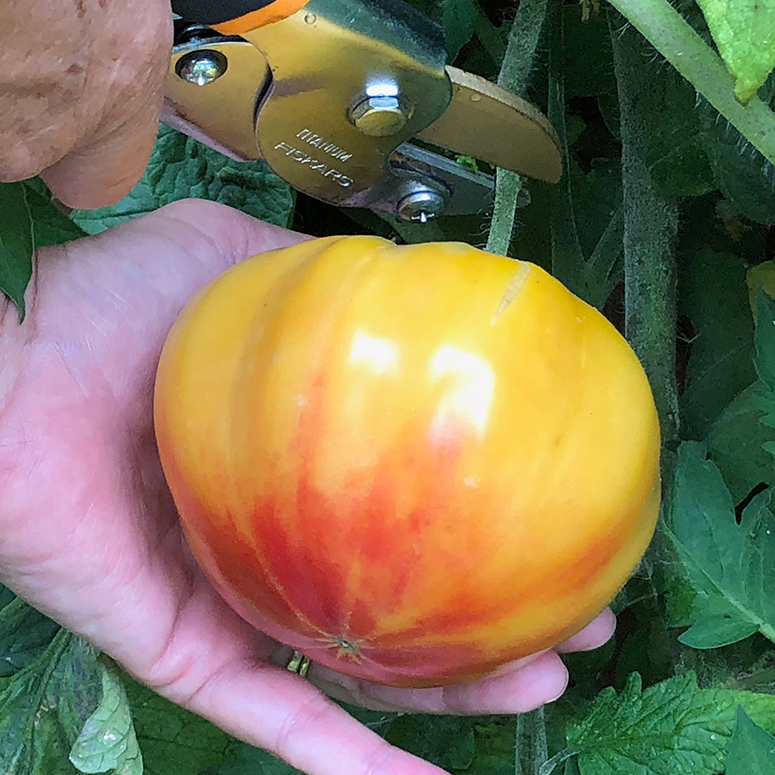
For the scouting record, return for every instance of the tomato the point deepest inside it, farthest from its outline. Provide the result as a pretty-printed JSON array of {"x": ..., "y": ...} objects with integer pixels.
[{"x": 412, "y": 464}]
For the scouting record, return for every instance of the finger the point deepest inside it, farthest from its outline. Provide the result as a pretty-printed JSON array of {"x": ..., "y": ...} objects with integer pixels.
[
  {"x": 210, "y": 237},
  {"x": 521, "y": 690},
  {"x": 288, "y": 716},
  {"x": 594, "y": 635},
  {"x": 518, "y": 688},
  {"x": 237, "y": 235},
  {"x": 118, "y": 116},
  {"x": 196, "y": 651},
  {"x": 105, "y": 170}
]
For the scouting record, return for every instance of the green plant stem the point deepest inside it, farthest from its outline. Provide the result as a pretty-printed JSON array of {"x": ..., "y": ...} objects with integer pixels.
[
  {"x": 515, "y": 71},
  {"x": 531, "y": 747},
  {"x": 650, "y": 228},
  {"x": 523, "y": 41},
  {"x": 667, "y": 31},
  {"x": 758, "y": 680},
  {"x": 504, "y": 212}
]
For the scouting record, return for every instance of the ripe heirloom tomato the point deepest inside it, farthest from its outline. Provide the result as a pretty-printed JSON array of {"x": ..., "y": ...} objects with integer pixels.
[{"x": 412, "y": 464}]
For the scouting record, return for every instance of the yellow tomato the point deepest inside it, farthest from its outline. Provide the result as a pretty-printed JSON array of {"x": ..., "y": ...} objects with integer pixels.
[{"x": 412, "y": 464}]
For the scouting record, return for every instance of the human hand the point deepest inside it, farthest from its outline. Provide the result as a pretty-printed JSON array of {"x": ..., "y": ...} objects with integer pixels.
[
  {"x": 81, "y": 92},
  {"x": 88, "y": 531}
]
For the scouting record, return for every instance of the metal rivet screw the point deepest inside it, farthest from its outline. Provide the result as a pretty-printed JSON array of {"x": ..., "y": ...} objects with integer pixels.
[
  {"x": 380, "y": 116},
  {"x": 421, "y": 206},
  {"x": 201, "y": 67}
]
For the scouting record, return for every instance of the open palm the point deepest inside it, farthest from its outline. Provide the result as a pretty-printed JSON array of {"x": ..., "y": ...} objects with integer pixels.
[{"x": 89, "y": 534}]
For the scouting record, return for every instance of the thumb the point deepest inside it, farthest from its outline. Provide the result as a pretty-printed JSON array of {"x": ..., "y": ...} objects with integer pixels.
[{"x": 103, "y": 170}]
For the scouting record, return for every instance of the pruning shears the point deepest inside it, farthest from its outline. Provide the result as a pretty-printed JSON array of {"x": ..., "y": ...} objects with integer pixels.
[{"x": 351, "y": 102}]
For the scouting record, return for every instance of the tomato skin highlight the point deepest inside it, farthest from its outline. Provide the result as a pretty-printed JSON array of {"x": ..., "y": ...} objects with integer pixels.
[{"x": 411, "y": 463}]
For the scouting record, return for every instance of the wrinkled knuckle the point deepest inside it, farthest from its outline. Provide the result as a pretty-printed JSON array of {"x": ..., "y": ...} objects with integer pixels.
[
  {"x": 19, "y": 161},
  {"x": 295, "y": 728},
  {"x": 456, "y": 699},
  {"x": 381, "y": 759},
  {"x": 29, "y": 146}
]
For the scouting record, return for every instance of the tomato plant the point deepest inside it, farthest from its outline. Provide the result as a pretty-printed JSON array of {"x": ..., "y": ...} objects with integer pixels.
[{"x": 413, "y": 463}]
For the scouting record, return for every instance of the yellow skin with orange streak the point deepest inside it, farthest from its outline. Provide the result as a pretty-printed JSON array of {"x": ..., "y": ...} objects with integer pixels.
[{"x": 413, "y": 464}]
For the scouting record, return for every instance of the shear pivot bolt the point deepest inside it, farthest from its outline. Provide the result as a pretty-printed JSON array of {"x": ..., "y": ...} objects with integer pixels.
[
  {"x": 421, "y": 205},
  {"x": 379, "y": 116},
  {"x": 201, "y": 67}
]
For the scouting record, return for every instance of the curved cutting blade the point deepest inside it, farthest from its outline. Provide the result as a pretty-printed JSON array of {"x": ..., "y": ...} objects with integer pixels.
[{"x": 490, "y": 124}]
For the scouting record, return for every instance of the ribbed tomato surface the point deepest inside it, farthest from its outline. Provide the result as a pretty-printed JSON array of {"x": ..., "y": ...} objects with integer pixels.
[{"x": 410, "y": 463}]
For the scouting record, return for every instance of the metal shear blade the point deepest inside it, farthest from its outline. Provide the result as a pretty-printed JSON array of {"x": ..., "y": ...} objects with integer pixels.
[{"x": 334, "y": 98}]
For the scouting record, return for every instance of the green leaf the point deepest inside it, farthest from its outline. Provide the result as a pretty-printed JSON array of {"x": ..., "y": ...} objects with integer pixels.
[
  {"x": 24, "y": 635},
  {"x": 744, "y": 31},
  {"x": 51, "y": 225},
  {"x": 751, "y": 749},
  {"x": 494, "y": 747},
  {"x": 476, "y": 746},
  {"x": 650, "y": 648},
  {"x": 764, "y": 339},
  {"x": 107, "y": 740},
  {"x": 736, "y": 442},
  {"x": 739, "y": 441},
  {"x": 173, "y": 741},
  {"x": 682, "y": 169},
  {"x": 714, "y": 296},
  {"x": 672, "y": 727},
  {"x": 742, "y": 174},
  {"x": 715, "y": 630},
  {"x": 676, "y": 154},
  {"x": 459, "y": 22},
  {"x": 572, "y": 767},
  {"x": 731, "y": 566},
  {"x": 692, "y": 150},
  {"x": 17, "y": 243},
  {"x": 587, "y": 56},
  {"x": 567, "y": 256},
  {"x": 761, "y": 276},
  {"x": 247, "y": 760},
  {"x": 6, "y": 597},
  {"x": 493, "y": 38},
  {"x": 585, "y": 209},
  {"x": 764, "y": 389},
  {"x": 597, "y": 202},
  {"x": 44, "y": 707},
  {"x": 446, "y": 741},
  {"x": 181, "y": 167}
]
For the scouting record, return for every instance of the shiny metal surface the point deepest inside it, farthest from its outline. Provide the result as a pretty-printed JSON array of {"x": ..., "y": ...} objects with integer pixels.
[
  {"x": 421, "y": 205},
  {"x": 332, "y": 96},
  {"x": 201, "y": 67},
  {"x": 220, "y": 114},
  {"x": 380, "y": 116},
  {"x": 321, "y": 69},
  {"x": 493, "y": 125}
]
